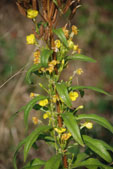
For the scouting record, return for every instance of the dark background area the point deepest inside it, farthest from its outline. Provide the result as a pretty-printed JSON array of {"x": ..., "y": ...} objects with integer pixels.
[{"x": 95, "y": 23}]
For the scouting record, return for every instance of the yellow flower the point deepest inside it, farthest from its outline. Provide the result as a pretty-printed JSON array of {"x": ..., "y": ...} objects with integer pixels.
[
  {"x": 53, "y": 63},
  {"x": 70, "y": 44},
  {"x": 36, "y": 60},
  {"x": 36, "y": 53},
  {"x": 50, "y": 69},
  {"x": 46, "y": 115},
  {"x": 32, "y": 13},
  {"x": 88, "y": 125},
  {"x": 65, "y": 136},
  {"x": 75, "y": 48},
  {"x": 60, "y": 131},
  {"x": 32, "y": 95},
  {"x": 74, "y": 29},
  {"x": 79, "y": 71},
  {"x": 57, "y": 43},
  {"x": 30, "y": 39},
  {"x": 55, "y": 98},
  {"x": 42, "y": 70},
  {"x": 43, "y": 102},
  {"x": 73, "y": 95},
  {"x": 66, "y": 32},
  {"x": 35, "y": 120}
]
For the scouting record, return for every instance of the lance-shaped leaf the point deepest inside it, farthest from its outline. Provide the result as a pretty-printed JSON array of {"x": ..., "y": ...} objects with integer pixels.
[
  {"x": 71, "y": 124},
  {"x": 91, "y": 162},
  {"x": 81, "y": 157},
  {"x": 97, "y": 146},
  {"x": 34, "y": 164},
  {"x": 100, "y": 120},
  {"x": 17, "y": 149},
  {"x": 33, "y": 137},
  {"x": 63, "y": 93},
  {"x": 45, "y": 54},
  {"x": 29, "y": 107},
  {"x": 53, "y": 162},
  {"x": 59, "y": 32},
  {"x": 30, "y": 71},
  {"x": 81, "y": 58},
  {"x": 90, "y": 88}
]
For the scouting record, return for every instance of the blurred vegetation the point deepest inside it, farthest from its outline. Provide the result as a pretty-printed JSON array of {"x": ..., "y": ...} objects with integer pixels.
[{"x": 95, "y": 22}]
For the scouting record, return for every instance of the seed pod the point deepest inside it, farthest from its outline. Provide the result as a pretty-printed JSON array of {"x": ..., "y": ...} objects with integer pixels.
[
  {"x": 41, "y": 30},
  {"x": 68, "y": 3},
  {"x": 52, "y": 8},
  {"x": 55, "y": 16},
  {"x": 21, "y": 9},
  {"x": 44, "y": 5},
  {"x": 34, "y": 4}
]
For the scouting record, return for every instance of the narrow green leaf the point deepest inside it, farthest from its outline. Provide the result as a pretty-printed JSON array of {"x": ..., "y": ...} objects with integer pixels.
[
  {"x": 97, "y": 146},
  {"x": 92, "y": 167},
  {"x": 30, "y": 71},
  {"x": 100, "y": 120},
  {"x": 14, "y": 115},
  {"x": 63, "y": 93},
  {"x": 71, "y": 124},
  {"x": 29, "y": 107},
  {"x": 108, "y": 147},
  {"x": 53, "y": 162},
  {"x": 81, "y": 157},
  {"x": 33, "y": 137},
  {"x": 17, "y": 149},
  {"x": 45, "y": 54},
  {"x": 90, "y": 88},
  {"x": 59, "y": 32},
  {"x": 81, "y": 58},
  {"x": 34, "y": 164},
  {"x": 91, "y": 162},
  {"x": 73, "y": 149}
]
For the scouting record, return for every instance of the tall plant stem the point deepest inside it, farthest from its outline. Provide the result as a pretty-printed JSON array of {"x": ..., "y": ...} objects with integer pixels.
[{"x": 59, "y": 118}]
